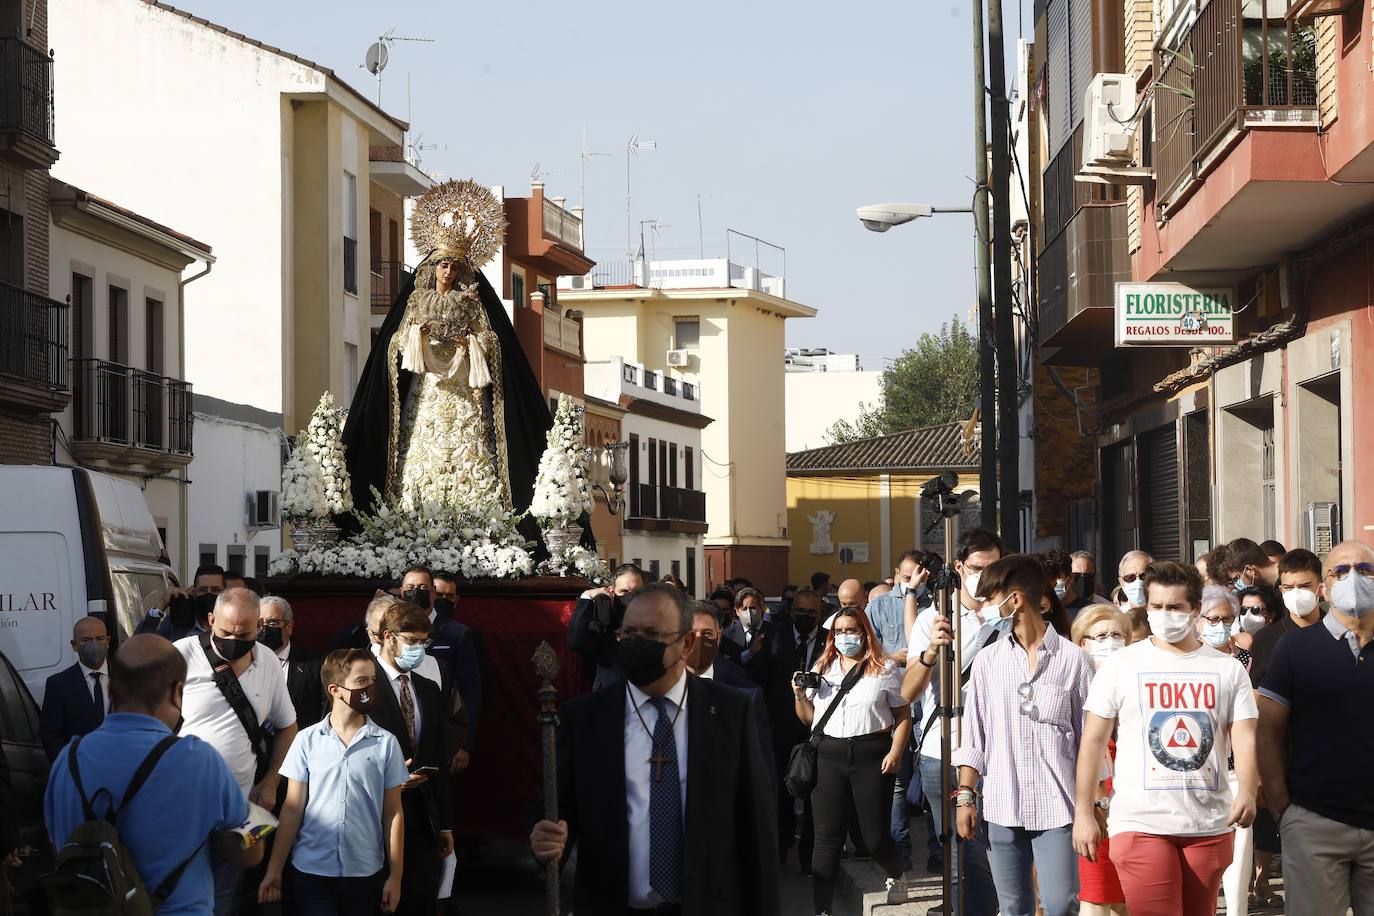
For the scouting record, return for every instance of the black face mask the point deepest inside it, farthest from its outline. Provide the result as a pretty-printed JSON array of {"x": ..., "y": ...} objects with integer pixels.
[
  {"x": 272, "y": 637},
  {"x": 417, "y": 595},
  {"x": 1087, "y": 583},
  {"x": 361, "y": 699},
  {"x": 443, "y": 605},
  {"x": 642, "y": 660},
  {"x": 805, "y": 623},
  {"x": 231, "y": 650}
]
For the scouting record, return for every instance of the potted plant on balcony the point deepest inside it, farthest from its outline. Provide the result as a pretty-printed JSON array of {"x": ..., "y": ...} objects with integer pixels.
[
  {"x": 315, "y": 482},
  {"x": 561, "y": 492}
]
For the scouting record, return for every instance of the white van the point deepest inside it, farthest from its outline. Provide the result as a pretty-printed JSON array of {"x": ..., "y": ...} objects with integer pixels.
[{"x": 72, "y": 542}]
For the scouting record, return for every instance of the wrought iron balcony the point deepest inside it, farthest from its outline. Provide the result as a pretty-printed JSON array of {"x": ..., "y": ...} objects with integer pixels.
[
  {"x": 33, "y": 349},
  {"x": 26, "y": 105},
  {"x": 123, "y": 414},
  {"x": 1225, "y": 66},
  {"x": 387, "y": 279},
  {"x": 667, "y": 503}
]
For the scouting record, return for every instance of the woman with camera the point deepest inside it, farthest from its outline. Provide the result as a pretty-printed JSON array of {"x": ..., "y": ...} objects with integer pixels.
[{"x": 853, "y": 698}]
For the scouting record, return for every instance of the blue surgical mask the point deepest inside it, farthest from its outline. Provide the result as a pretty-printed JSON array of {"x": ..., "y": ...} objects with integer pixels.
[
  {"x": 1353, "y": 595},
  {"x": 1134, "y": 592},
  {"x": 1239, "y": 584},
  {"x": 849, "y": 644},
  {"x": 410, "y": 657},
  {"x": 1061, "y": 589},
  {"x": 1001, "y": 624},
  {"x": 1216, "y": 635}
]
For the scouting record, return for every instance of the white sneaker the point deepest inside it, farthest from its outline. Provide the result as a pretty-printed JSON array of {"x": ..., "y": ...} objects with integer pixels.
[{"x": 896, "y": 890}]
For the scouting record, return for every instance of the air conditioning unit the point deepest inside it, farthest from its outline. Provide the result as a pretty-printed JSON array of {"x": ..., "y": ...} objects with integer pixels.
[
  {"x": 1323, "y": 527},
  {"x": 1111, "y": 119},
  {"x": 679, "y": 358},
  {"x": 584, "y": 282},
  {"x": 263, "y": 511}
]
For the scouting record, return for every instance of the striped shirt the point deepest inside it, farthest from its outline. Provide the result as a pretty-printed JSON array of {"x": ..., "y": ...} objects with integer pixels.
[{"x": 1027, "y": 760}]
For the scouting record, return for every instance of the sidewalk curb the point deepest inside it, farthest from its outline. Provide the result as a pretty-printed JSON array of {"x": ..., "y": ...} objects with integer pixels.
[{"x": 859, "y": 891}]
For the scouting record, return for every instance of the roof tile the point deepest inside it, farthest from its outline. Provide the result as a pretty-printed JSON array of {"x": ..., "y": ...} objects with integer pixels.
[{"x": 925, "y": 448}]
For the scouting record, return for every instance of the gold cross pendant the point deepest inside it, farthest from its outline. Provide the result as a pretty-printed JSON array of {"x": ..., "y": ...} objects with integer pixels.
[{"x": 657, "y": 760}]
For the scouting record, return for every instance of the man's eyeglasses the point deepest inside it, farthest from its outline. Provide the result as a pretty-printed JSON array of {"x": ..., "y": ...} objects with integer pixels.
[
  {"x": 423, "y": 642},
  {"x": 1216, "y": 620},
  {"x": 1344, "y": 569},
  {"x": 1129, "y": 577},
  {"x": 271, "y": 624},
  {"x": 664, "y": 636}
]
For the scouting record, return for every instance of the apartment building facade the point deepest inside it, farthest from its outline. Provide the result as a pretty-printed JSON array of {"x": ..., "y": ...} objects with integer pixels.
[{"x": 1257, "y": 153}]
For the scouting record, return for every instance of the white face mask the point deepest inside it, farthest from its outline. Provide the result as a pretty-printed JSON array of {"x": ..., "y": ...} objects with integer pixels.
[
  {"x": 1171, "y": 626},
  {"x": 1134, "y": 592},
  {"x": 1300, "y": 601},
  {"x": 1104, "y": 649},
  {"x": 1251, "y": 621},
  {"x": 971, "y": 582}
]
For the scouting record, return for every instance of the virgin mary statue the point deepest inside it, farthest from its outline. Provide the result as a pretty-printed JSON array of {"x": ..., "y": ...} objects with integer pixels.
[{"x": 448, "y": 412}]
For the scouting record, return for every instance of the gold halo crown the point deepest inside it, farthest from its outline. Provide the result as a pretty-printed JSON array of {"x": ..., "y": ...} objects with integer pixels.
[{"x": 459, "y": 219}]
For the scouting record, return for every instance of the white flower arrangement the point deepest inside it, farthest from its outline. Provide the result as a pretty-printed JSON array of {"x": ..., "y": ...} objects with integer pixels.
[
  {"x": 561, "y": 492},
  {"x": 303, "y": 491},
  {"x": 472, "y": 545},
  {"x": 324, "y": 440},
  {"x": 581, "y": 561}
]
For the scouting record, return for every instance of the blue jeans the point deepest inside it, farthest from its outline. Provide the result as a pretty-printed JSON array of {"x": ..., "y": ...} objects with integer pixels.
[
  {"x": 901, "y": 824},
  {"x": 980, "y": 895},
  {"x": 1014, "y": 850}
]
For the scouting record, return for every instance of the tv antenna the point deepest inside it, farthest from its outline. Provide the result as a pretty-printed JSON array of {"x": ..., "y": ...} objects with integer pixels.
[
  {"x": 537, "y": 174},
  {"x": 379, "y": 55},
  {"x": 632, "y": 148},
  {"x": 418, "y": 146},
  {"x": 656, "y": 228},
  {"x": 586, "y": 154}
]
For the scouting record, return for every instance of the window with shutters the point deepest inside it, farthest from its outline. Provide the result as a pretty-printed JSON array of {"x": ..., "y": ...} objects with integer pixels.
[
  {"x": 672, "y": 465},
  {"x": 687, "y": 468},
  {"x": 653, "y": 462},
  {"x": 663, "y": 462},
  {"x": 262, "y": 561},
  {"x": 1268, "y": 487},
  {"x": 350, "y": 233},
  {"x": 374, "y": 240},
  {"x": 235, "y": 558},
  {"x": 117, "y": 315},
  {"x": 634, "y": 476},
  {"x": 209, "y": 555},
  {"x": 517, "y": 289},
  {"x": 81, "y": 316},
  {"x": 152, "y": 336}
]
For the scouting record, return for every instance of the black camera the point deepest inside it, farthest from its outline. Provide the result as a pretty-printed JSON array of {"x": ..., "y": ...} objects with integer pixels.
[
  {"x": 807, "y": 680},
  {"x": 930, "y": 562}
]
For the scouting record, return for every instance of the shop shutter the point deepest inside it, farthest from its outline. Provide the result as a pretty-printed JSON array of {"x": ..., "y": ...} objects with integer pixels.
[
  {"x": 1057, "y": 62},
  {"x": 1080, "y": 57},
  {"x": 1160, "y": 519}
]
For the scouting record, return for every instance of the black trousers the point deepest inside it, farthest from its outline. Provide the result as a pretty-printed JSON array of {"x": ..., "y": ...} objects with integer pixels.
[
  {"x": 315, "y": 895},
  {"x": 849, "y": 772},
  {"x": 420, "y": 873}
]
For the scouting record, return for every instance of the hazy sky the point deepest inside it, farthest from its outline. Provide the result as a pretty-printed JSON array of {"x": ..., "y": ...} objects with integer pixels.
[{"x": 782, "y": 117}]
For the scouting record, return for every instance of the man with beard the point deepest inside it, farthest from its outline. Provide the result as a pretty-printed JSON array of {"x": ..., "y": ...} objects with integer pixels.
[
  {"x": 661, "y": 784},
  {"x": 705, "y": 661}
]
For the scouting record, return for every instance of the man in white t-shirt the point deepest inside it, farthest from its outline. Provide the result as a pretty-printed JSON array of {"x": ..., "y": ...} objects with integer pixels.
[
  {"x": 1182, "y": 708},
  {"x": 930, "y": 631},
  {"x": 232, "y": 641}
]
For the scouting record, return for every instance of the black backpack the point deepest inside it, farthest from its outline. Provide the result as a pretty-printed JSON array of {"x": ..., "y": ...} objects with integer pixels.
[{"x": 94, "y": 874}]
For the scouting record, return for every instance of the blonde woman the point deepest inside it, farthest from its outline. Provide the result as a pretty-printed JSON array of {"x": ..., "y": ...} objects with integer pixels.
[{"x": 1101, "y": 630}]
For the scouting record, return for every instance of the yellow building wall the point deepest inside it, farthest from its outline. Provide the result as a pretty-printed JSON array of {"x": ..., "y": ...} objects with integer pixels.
[{"x": 858, "y": 505}]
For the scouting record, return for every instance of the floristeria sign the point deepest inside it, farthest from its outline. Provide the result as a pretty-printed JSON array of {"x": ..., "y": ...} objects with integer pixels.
[{"x": 1172, "y": 315}]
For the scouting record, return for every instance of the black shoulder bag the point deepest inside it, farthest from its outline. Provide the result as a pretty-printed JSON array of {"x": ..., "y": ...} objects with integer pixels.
[
  {"x": 801, "y": 765},
  {"x": 228, "y": 683}
]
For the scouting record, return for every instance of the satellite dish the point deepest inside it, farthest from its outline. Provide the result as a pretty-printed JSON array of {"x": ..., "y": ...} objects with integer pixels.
[{"x": 376, "y": 58}]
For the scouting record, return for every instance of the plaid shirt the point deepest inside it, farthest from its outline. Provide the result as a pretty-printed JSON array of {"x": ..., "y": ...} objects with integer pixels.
[{"x": 1027, "y": 761}]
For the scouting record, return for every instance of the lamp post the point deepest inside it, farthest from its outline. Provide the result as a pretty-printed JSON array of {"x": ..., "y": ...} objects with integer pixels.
[{"x": 882, "y": 217}]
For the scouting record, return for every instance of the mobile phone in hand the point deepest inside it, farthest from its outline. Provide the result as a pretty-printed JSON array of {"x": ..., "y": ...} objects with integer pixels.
[{"x": 425, "y": 771}]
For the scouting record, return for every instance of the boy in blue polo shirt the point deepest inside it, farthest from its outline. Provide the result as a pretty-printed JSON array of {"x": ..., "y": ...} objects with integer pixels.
[{"x": 341, "y": 821}]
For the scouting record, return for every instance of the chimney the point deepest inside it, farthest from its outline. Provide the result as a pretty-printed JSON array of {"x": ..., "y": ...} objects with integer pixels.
[
  {"x": 537, "y": 186},
  {"x": 560, "y": 201}
]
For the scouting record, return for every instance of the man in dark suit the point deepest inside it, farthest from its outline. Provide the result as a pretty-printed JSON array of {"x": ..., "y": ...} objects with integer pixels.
[
  {"x": 661, "y": 784},
  {"x": 75, "y": 700},
  {"x": 300, "y": 666},
  {"x": 596, "y": 618},
  {"x": 453, "y": 646},
  {"x": 412, "y": 709},
  {"x": 706, "y": 662}
]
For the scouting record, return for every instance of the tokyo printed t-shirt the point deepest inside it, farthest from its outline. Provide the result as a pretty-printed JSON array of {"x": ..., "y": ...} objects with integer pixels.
[{"x": 1174, "y": 715}]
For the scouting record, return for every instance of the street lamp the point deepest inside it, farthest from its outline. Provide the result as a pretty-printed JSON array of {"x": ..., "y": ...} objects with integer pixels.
[
  {"x": 882, "y": 217},
  {"x": 610, "y": 467}
]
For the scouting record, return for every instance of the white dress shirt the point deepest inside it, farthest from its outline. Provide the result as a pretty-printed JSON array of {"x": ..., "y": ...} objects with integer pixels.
[
  {"x": 638, "y": 773},
  {"x": 393, "y": 676},
  {"x": 865, "y": 709},
  {"x": 104, "y": 672},
  {"x": 812, "y": 651},
  {"x": 284, "y": 657}
]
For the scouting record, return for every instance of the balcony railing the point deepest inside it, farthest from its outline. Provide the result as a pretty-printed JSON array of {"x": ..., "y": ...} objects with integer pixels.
[
  {"x": 26, "y": 98},
  {"x": 668, "y": 503},
  {"x": 33, "y": 338},
  {"x": 562, "y": 333},
  {"x": 562, "y": 226},
  {"x": 1240, "y": 64},
  {"x": 387, "y": 279},
  {"x": 124, "y": 406}
]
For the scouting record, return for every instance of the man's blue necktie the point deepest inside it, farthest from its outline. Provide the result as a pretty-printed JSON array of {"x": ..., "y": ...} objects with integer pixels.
[{"x": 665, "y": 809}]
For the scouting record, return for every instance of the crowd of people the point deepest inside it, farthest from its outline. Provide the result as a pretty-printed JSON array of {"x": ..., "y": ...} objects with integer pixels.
[
  {"x": 211, "y": 711},
  {"x": 1146, "y": 751}
]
